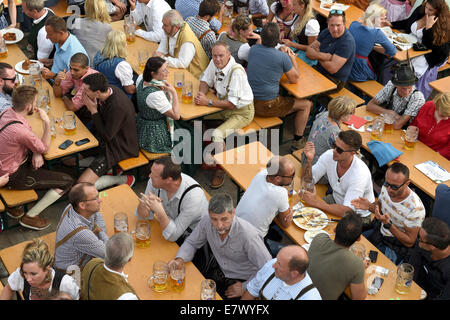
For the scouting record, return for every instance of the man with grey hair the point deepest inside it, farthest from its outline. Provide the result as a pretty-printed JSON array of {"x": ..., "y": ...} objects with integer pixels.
[
  {"x": 180, "y": 46},
  {"x": 238, "y": 252},
  {"x": 105, "y": 280},
  {"x": 38, "y": 45}
]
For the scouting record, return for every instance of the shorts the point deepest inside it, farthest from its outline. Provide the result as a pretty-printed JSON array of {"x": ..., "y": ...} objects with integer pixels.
[
  {"x": 99, "y": 165},
  {"x": 281, "y": 106}
]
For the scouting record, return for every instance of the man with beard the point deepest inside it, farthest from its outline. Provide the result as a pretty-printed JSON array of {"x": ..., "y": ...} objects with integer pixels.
[
  {"x": 21, "y": 158},
  {"x": 69, "y": 85},
  {"x": 7, "y": 81}
]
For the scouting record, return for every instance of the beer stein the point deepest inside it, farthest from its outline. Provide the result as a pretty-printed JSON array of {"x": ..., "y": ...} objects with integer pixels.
[
  {"x": 35, "y": 71},
  {"x": 307, "y": 184},
  {"x": 142, "y": 58},
  {"x": 208, "y": 290},
  {"x": 70, "y": 123},
  {"x": 228, "y": 12},
  {"x": 52, "y": 127},
  {"x": 359, "y": 250},
  {"x": 405, "y": 273},
  {"x": 377, "y": 128},
  {"x": 410, "y": 139},
  {"x": 187, "y": 94},
  {"x": 130, "y": 33},
  {"x": 3, "y": 48},
  {"x": 243, "y": 11},
  {"x": 120, "y": 222},
  {"x": 290, "y": 190},
  {"x": 178, "y": 81},
  {"x": 158, "y": 281},
  {"x": 177, "y": 273},
  {"x": 143, "y": 234},
  {"x": 388, "y": 122}
]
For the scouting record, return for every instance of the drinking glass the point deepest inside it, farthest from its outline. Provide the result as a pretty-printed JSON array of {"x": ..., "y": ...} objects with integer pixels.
[
  {"x": 377, "y": 128},
  {"x": 186, "y": 96},
  {"x": 142, "y": 57},
  {"x": 359, "y": 250},
  {"x": 3, "y": 48},
  {"x": 178, "y": 81},
  {"x": 208, "y": 290},
  {"x": 70, "y": 123},
  {"x": 177, "y": 273},
  {"x": 405, "y": 273},
  {"x": 388, "y": 123},
  {"x": 158, "y": 281},
  {"x": 307, "y": 184},
  {"x": 120, "y": 222},
  {"x": 143, "y": 234},
  {"x": 411, "y": 135}
]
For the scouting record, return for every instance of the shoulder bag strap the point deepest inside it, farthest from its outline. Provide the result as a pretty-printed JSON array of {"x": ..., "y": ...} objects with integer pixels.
[{"x": 304, "y": 290}]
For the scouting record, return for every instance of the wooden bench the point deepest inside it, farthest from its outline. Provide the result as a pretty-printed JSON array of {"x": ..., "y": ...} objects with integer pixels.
[
  {"x": 133, "y": 163},
  {"x": 345, "y": 92},
  {"x": 2, "y": 206},
  {"x": 444, "y": 67},
  {"x": 14, "y": 198},
  {"x": 259, "y": 123},
  {"x": 370, "y": 88},
  {"x": 60, "y": 9},
  {"x": 153, "y": 156}
]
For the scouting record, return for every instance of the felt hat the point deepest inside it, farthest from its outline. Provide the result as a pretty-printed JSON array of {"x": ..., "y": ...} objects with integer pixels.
[{"x": 404, "y": 76}]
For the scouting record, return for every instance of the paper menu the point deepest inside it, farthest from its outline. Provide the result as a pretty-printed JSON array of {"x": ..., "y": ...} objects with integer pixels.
[{"x": 433, "y": 171}]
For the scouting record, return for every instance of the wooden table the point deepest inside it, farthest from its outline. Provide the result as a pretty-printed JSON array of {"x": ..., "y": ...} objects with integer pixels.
[
  {"x": 421, "y": 153},
  {"x": 441, "y": 85},
  {"x": 57, "y": 109},
  {"x": 139, "y": 269},
  {"x": 311, "y": 82}
]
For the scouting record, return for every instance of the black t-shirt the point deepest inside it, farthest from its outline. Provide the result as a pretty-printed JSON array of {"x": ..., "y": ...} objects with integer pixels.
[{"x": 432, "y": 276}]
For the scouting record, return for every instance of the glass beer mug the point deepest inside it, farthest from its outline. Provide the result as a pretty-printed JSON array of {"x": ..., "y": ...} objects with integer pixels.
[
  {"x": 178, "y": 81},
  {"x": 377, "y": 128},
  {"x": 70, "y": 123},
  {"x": 208, "y": 290},
  {"x": 158, "y": 281},
  {"x": 3, "y": 48},
  {"x": 388, "y": 123},
  {"x": 410, "y": 139},
  {"x": 143, "y": 234},
  {"x": 405, "y": 273},
  {"x": 187, "y": 94},
  {"x": 177, "y": 273},
  {"x": 120, "y": 222}
]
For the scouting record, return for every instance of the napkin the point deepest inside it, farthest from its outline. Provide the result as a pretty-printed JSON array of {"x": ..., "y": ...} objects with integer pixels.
[
  {"x": 383, "y": 152},
  {"x": 356, "y": 121}
]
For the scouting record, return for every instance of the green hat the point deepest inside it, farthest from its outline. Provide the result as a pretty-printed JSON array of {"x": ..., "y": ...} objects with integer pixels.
[{"x": 404, "y": 76}]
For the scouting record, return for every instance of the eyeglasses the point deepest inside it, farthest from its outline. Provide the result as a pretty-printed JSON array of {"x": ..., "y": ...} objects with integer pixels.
[
  {"x": 290, "y": 177},
  {"x": 11, "y": 79},
  {"x": 392, "y": 186},
  {"x": 340, "y": 150},
  {"x": 95, "y": 199},
  {"x": 337, "y": 12}
]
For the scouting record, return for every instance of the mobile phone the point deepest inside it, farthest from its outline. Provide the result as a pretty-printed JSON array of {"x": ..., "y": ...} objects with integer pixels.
[
  {"x": 82, "y": 141},
  {"x": 373, "y": 255},
  {"x": 65, "y": 144},
  {"x": 377, "y": 282}
]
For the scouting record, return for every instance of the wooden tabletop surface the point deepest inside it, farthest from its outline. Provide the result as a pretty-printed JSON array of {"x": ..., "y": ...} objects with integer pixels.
[
  {"x": 139, "y": 269},
  {"x": 420, "y": 154},
  {"x": 441, "y": 85}
]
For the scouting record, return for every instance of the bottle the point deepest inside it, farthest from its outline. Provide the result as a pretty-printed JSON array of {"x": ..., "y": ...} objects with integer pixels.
[{"x": 381, "y": 271}]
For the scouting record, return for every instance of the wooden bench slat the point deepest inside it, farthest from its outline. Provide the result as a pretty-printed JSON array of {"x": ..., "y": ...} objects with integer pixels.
[
  {"x": 370, "y": 88},
  {"x": 252, "y": 127},
  {"x": 444, "y": 67},
  {"x": 267, "y": 122},
  {"x": 132, "y": 163},
  {"x": 2, "y": 206},
  {"x": 348, "y": 93},
  {"x": 153, "y": 156},
  {"x": 15, "y": 198}
]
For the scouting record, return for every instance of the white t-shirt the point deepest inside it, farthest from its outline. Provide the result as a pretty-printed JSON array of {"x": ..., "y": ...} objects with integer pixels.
[
  {"x": 262, "y": 202},
  {"x": 44, "y": 45},
  {"x": 312, "y": 27},
  {"x": 409, "y": 212},
  {"x": 124, "y": 73},
  {"x": 355, "y": 183},
  {"x": 156, "y": 100},
  {"x": 68, "y": 284}
]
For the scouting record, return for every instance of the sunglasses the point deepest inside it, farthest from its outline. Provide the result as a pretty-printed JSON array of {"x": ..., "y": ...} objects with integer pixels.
[
  {"x": 340, "y": 150},
  {"x": 392, "y": 186},
  {"x": 337, "y": 12},
  {"x": 11, "y": 79}
]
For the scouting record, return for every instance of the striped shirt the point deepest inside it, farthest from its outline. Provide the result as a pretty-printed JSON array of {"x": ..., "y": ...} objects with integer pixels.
[
  {"x": 277, "y": 289},
  {"x": 84, "y": 242},
  {"x": 200, "y": 27},
  {"x": 188, "y": 8},
  {"x": 15, "y": 141}
]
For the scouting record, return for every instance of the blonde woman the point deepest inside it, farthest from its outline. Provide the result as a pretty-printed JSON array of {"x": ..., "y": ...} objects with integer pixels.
[
  {"x": 327, "y": 125},
  {"x": 241, "y": 31},
  {"x": 111, "y": 62},
  {"x": 304, "y": 30},
  {"x": 366, "y": 35},
  {"x": 35, "y": 276},
  {"x": 93, "y": 29}
]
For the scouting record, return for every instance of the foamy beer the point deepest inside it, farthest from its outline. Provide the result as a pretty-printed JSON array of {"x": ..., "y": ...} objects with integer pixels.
[
  {"x": 405, "y": 273},
  {"x": 177, "y": 273},
  {"x": 142, "y": 57},
  {"x": 178, "y": 81},
  {"x": 158, "y": 281},
  {"x": 3, "y": 48},
  {"x": 412, "y": 132},
  {"x": 186, "y": 96},
  {"x": 208, "y": 290},
  {"x": 70, "y": 123},
  {"x": 130, "y": 33},
  {"x": 143, "y": 234},
  {"x": 377, "y": 128},
  {"x": 388, "y": 123},
  {"x": 120, "y": 222}
]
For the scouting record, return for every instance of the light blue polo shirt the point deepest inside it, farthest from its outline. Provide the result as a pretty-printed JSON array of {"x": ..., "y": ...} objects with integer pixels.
[{"x": 61, "y": 59}]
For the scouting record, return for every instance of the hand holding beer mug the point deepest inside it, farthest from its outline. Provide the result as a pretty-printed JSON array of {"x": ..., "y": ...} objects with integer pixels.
[
  {"x": 178, "y": 81},
  {"x": 307, "y": 184},
  {"x": 208, "y": 290},
  {"x": 377, "y": 128},
  {"x": 405, "y": 273},
  {"x": 70, "y": 123},
  {"x": 177, "y": 273},
  {"x": 143, "y": 234},
  {"x": 120, "y": 222},
  {"x": 158, "y": 281},
  {"x": 411, "y": 135}
]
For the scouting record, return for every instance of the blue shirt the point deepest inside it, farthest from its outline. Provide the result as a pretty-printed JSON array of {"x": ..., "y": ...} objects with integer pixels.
[
  {"x": 5, "y": 101},
  {"x": 277, "y": 289},
  {"x": 265, "y": 67},
  {"x": 189, "y": 8},
  {"x": 343, "y": 46},
  {"x": 61, "y": 59}
]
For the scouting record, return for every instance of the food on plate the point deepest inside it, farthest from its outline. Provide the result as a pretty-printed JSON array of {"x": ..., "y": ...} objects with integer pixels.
[
  {"x": 26, "y": 64},
  {"x": 401, "y": 39},
  {"x": 311, "y": 219},
  {"x": 9, "y": 36},
  {"x": 309, "y": 235}
]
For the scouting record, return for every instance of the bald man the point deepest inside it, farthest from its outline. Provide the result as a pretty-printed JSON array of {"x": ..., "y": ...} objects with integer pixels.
[
  {"x": 283, "y": 278},
  {"x": 267, "y": 198}
]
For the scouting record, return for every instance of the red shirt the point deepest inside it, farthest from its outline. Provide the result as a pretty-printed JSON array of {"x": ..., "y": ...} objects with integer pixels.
[
  {"x": 435, "y": 135},
  {"x": 15, "y": 141}
]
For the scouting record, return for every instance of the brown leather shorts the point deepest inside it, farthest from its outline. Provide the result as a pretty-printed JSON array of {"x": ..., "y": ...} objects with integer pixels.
[{"x": 278, "y": 107}]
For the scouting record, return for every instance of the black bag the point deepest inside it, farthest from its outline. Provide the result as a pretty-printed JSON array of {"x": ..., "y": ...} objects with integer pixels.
[{"x": 419, "y": 47}]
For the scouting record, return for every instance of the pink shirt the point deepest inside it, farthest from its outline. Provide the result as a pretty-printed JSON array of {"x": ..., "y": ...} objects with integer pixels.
[
  {"x": 15, "y": 141},
  {"x": 70, "y": 83}
]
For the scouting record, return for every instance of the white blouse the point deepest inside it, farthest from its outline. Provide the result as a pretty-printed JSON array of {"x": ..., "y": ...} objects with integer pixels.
[{"x": 156, "y": 100}]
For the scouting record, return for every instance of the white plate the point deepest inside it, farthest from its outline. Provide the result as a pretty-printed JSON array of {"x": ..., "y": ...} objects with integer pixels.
[
  {"x": 408, "y": 37},
  {"x": 315, "y": 214},
  {"x": 18, "y": 66},
  {"x": 309, "y": 235},
  {"x": 18, "y": 32},
  {"x": 335, "y": 6},
  {"x": 387, "y": 31},
  {"x": 306, "y": 246}
]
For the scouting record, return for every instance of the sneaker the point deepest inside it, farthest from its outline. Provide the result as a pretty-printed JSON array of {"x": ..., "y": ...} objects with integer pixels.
[
  {"x": 130, "y": 181},
  {"x": 16, "y": 212},
  {"x": 299, "y": 144},
  {"x": 35, "y": 223},
  {"x": 118, "y": 172}
]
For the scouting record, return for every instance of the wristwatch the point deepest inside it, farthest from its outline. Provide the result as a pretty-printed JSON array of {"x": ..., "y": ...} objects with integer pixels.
[
  {"x": 387, "y": 225},
  {"x": 210, "y": 103}
]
